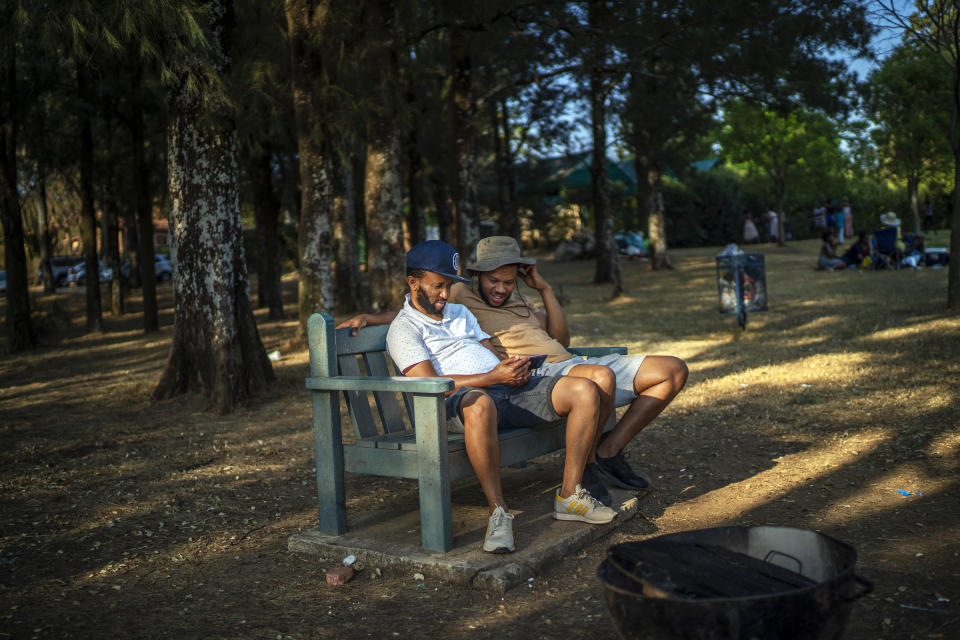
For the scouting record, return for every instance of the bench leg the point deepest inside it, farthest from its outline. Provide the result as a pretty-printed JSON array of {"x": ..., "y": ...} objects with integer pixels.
[
  {"x": 436, "y": 524},
  {"x": 328, "y": 455}
]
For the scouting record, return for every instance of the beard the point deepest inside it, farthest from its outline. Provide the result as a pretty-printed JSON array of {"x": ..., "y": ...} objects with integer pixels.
[{"x": 423, "y": 301}]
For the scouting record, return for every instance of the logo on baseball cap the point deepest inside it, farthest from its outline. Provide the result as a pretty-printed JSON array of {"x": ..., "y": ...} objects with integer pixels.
[{"x": 435, "y": 256}]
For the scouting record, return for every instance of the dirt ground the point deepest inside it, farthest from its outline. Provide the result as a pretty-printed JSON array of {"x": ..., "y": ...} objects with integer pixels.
[{"x": 127, "y": 517}]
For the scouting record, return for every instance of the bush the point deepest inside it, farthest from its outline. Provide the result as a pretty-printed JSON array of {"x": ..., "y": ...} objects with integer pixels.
[{"x": 708, "y": 208}]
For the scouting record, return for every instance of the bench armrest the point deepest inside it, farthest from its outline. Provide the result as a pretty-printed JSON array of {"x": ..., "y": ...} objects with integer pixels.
[
  {"x": 593, "y": 352},
  {"x": 399, "y": 384}
]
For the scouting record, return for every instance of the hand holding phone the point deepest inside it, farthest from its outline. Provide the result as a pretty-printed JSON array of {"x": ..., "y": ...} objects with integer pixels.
[{"x": 537, "y": 361}]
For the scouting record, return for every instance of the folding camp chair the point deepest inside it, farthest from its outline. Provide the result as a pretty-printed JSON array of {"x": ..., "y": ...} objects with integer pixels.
[{"x": 885, "y": 244}]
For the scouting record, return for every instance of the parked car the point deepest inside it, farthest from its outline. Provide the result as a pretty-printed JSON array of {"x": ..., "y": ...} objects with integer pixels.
[
  {"x": 61, "y": 267},
  {"x": 78, "y": 273},
  {"x": 3, "y": 281},
  {"x": 162, "y": 269}
]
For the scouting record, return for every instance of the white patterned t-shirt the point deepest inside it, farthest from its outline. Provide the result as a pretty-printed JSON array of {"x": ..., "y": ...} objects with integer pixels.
[{"x": 452, "y": 344}]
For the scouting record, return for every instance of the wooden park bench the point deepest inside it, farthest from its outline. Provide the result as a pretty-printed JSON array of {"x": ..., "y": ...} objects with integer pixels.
[{"x": 384, "y": 441}]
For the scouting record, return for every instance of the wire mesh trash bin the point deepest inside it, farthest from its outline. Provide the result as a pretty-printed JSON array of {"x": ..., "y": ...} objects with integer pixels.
[{"x": 742, "y": 284}]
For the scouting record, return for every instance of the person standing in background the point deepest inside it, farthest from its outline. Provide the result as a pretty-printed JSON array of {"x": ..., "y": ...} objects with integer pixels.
[
  {"x": 847, "y": 218},
  {"x": 772, "y": 234},
  {"x": 750, "y": 233},
  {"x": 818, "y": 219},
  {"x": 839, "y": 219},
  {"x": 927, "y": 216}
]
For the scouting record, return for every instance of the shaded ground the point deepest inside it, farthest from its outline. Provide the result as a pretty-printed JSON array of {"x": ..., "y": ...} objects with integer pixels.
[{"x": 128, "y": 517}]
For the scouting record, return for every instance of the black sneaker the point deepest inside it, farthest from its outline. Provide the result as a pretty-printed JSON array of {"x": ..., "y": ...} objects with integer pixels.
[
  {"x": 594, "y": 485},
  {"x": 617, "y": 472}
]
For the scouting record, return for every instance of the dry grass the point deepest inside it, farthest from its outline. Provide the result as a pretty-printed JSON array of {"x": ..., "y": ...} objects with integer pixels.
[{"x": 146, "y": 519}]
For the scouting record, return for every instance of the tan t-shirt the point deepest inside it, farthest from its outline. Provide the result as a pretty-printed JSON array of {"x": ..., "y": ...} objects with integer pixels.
[{"x": 513, "y": 327}]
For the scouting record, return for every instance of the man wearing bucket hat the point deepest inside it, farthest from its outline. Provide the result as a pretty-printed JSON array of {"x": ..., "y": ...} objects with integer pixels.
[
  {"x": 890, "y": 220},
  {"x": 432, "y": 337},
  {"x": 647, "y": 383}
]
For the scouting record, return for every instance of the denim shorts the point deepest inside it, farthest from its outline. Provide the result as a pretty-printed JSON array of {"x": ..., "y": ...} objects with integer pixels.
[
  {"x": 625, "y": 367},
  {"x": 526, "y": 406}
]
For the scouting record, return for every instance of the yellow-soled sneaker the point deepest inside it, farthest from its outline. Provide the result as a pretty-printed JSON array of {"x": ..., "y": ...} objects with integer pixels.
[
  {"x": 499, "y": 536},
  {"x": 582, "y": 507}
]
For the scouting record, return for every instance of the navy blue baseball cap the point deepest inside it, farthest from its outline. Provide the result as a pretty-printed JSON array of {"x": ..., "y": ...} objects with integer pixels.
[{"x": 435, "y": 256}]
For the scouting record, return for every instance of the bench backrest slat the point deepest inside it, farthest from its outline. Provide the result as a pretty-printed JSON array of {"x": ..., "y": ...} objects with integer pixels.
[
  {"x": 370, "y": 339},
  {"x": 360, "y": 414},
  {"x": 391, "y": 414},
  {"x": 370, "y": 345}
]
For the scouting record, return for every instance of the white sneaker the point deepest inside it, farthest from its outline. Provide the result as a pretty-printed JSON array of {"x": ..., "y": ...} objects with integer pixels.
[
  {"x": 499, "y": 536},
  {"x": 583, "y": 507}
]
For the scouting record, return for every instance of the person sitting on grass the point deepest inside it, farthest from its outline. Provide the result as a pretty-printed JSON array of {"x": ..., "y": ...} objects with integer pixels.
[
  {"x": 860, "y": 252},
  {"x": 431, "y": 337},
  {"x": 913, "y": 254},
  {"x": 647, "y": 383},
  {"x": 828, "y": 253}
]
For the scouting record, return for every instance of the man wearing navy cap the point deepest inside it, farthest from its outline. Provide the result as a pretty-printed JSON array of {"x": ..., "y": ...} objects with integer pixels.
[
  {"x": 647, "y": 383},
  {"x": 431, "y": 337}
]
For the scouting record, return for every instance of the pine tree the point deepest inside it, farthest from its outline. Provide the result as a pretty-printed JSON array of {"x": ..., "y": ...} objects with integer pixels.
[
  {"x": 216, "y": 347},
  {"x": 20, "y": 329},
  {"x": 307, "y": 22}
]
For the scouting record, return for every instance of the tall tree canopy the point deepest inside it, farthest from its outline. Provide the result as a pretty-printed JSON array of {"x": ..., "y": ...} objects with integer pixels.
[
  {"x": 786, "y": 147},
  {"x": 904, "y": 98},
  {"x": 935, "y": 25}
]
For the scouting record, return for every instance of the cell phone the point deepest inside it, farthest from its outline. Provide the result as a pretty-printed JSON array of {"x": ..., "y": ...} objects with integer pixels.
[{"x": 537, "y": 361}]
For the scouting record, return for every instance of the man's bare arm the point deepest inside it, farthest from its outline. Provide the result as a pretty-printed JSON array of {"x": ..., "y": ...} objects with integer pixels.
[
  {"x": 554, "y": 321},
  {"x": 512, "y": 371},
  {"x": 367, "y": 320}
]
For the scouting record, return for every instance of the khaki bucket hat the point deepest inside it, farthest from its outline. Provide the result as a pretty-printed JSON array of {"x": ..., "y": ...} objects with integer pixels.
[
  {"x": 890, "y": 219},
  {"x": 496, "y": 251}
]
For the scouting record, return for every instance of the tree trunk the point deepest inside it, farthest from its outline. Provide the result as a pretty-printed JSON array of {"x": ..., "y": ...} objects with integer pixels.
[
  {"x": 510, "y": 221},
  {"x": 315, "y": 290},
  {"x": 347, "y": 271},
  {"x": 144, "y": 213},
  {"x": 500, "y": 128},
  {"x": 46, "y": 266},
  {"x": 466, "y": 208},
  {"x": 781, "y": 195},
  {"x": 953, "y": 269},
  {"x": 441, "y": 196},
  {"x": 88, "y": 214},
  {"x": 384, "y": 219},
  {"x": 607, "y": 267},
  {"x": 110, "y": 234},
  {"x": 266, "y": 209},
  {"x": 216, "y": 348},
  {"x": 953, "y": 272},
  {"x": 20, "y": 334},
  {"x": 304, "y": 18},
  {"x": 132, "y": 247},
  {"x": 416, "y": 221},
  {"x": 656, "y": 222},
  {"x": 913, "y": 184}
]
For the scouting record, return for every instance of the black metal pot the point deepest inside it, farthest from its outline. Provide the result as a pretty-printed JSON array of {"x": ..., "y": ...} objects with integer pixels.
[{"x": 819, "y": 611}]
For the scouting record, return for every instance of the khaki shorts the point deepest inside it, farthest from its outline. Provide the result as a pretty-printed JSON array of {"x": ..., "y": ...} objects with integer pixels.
[{"x": 625, "y": 367}]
